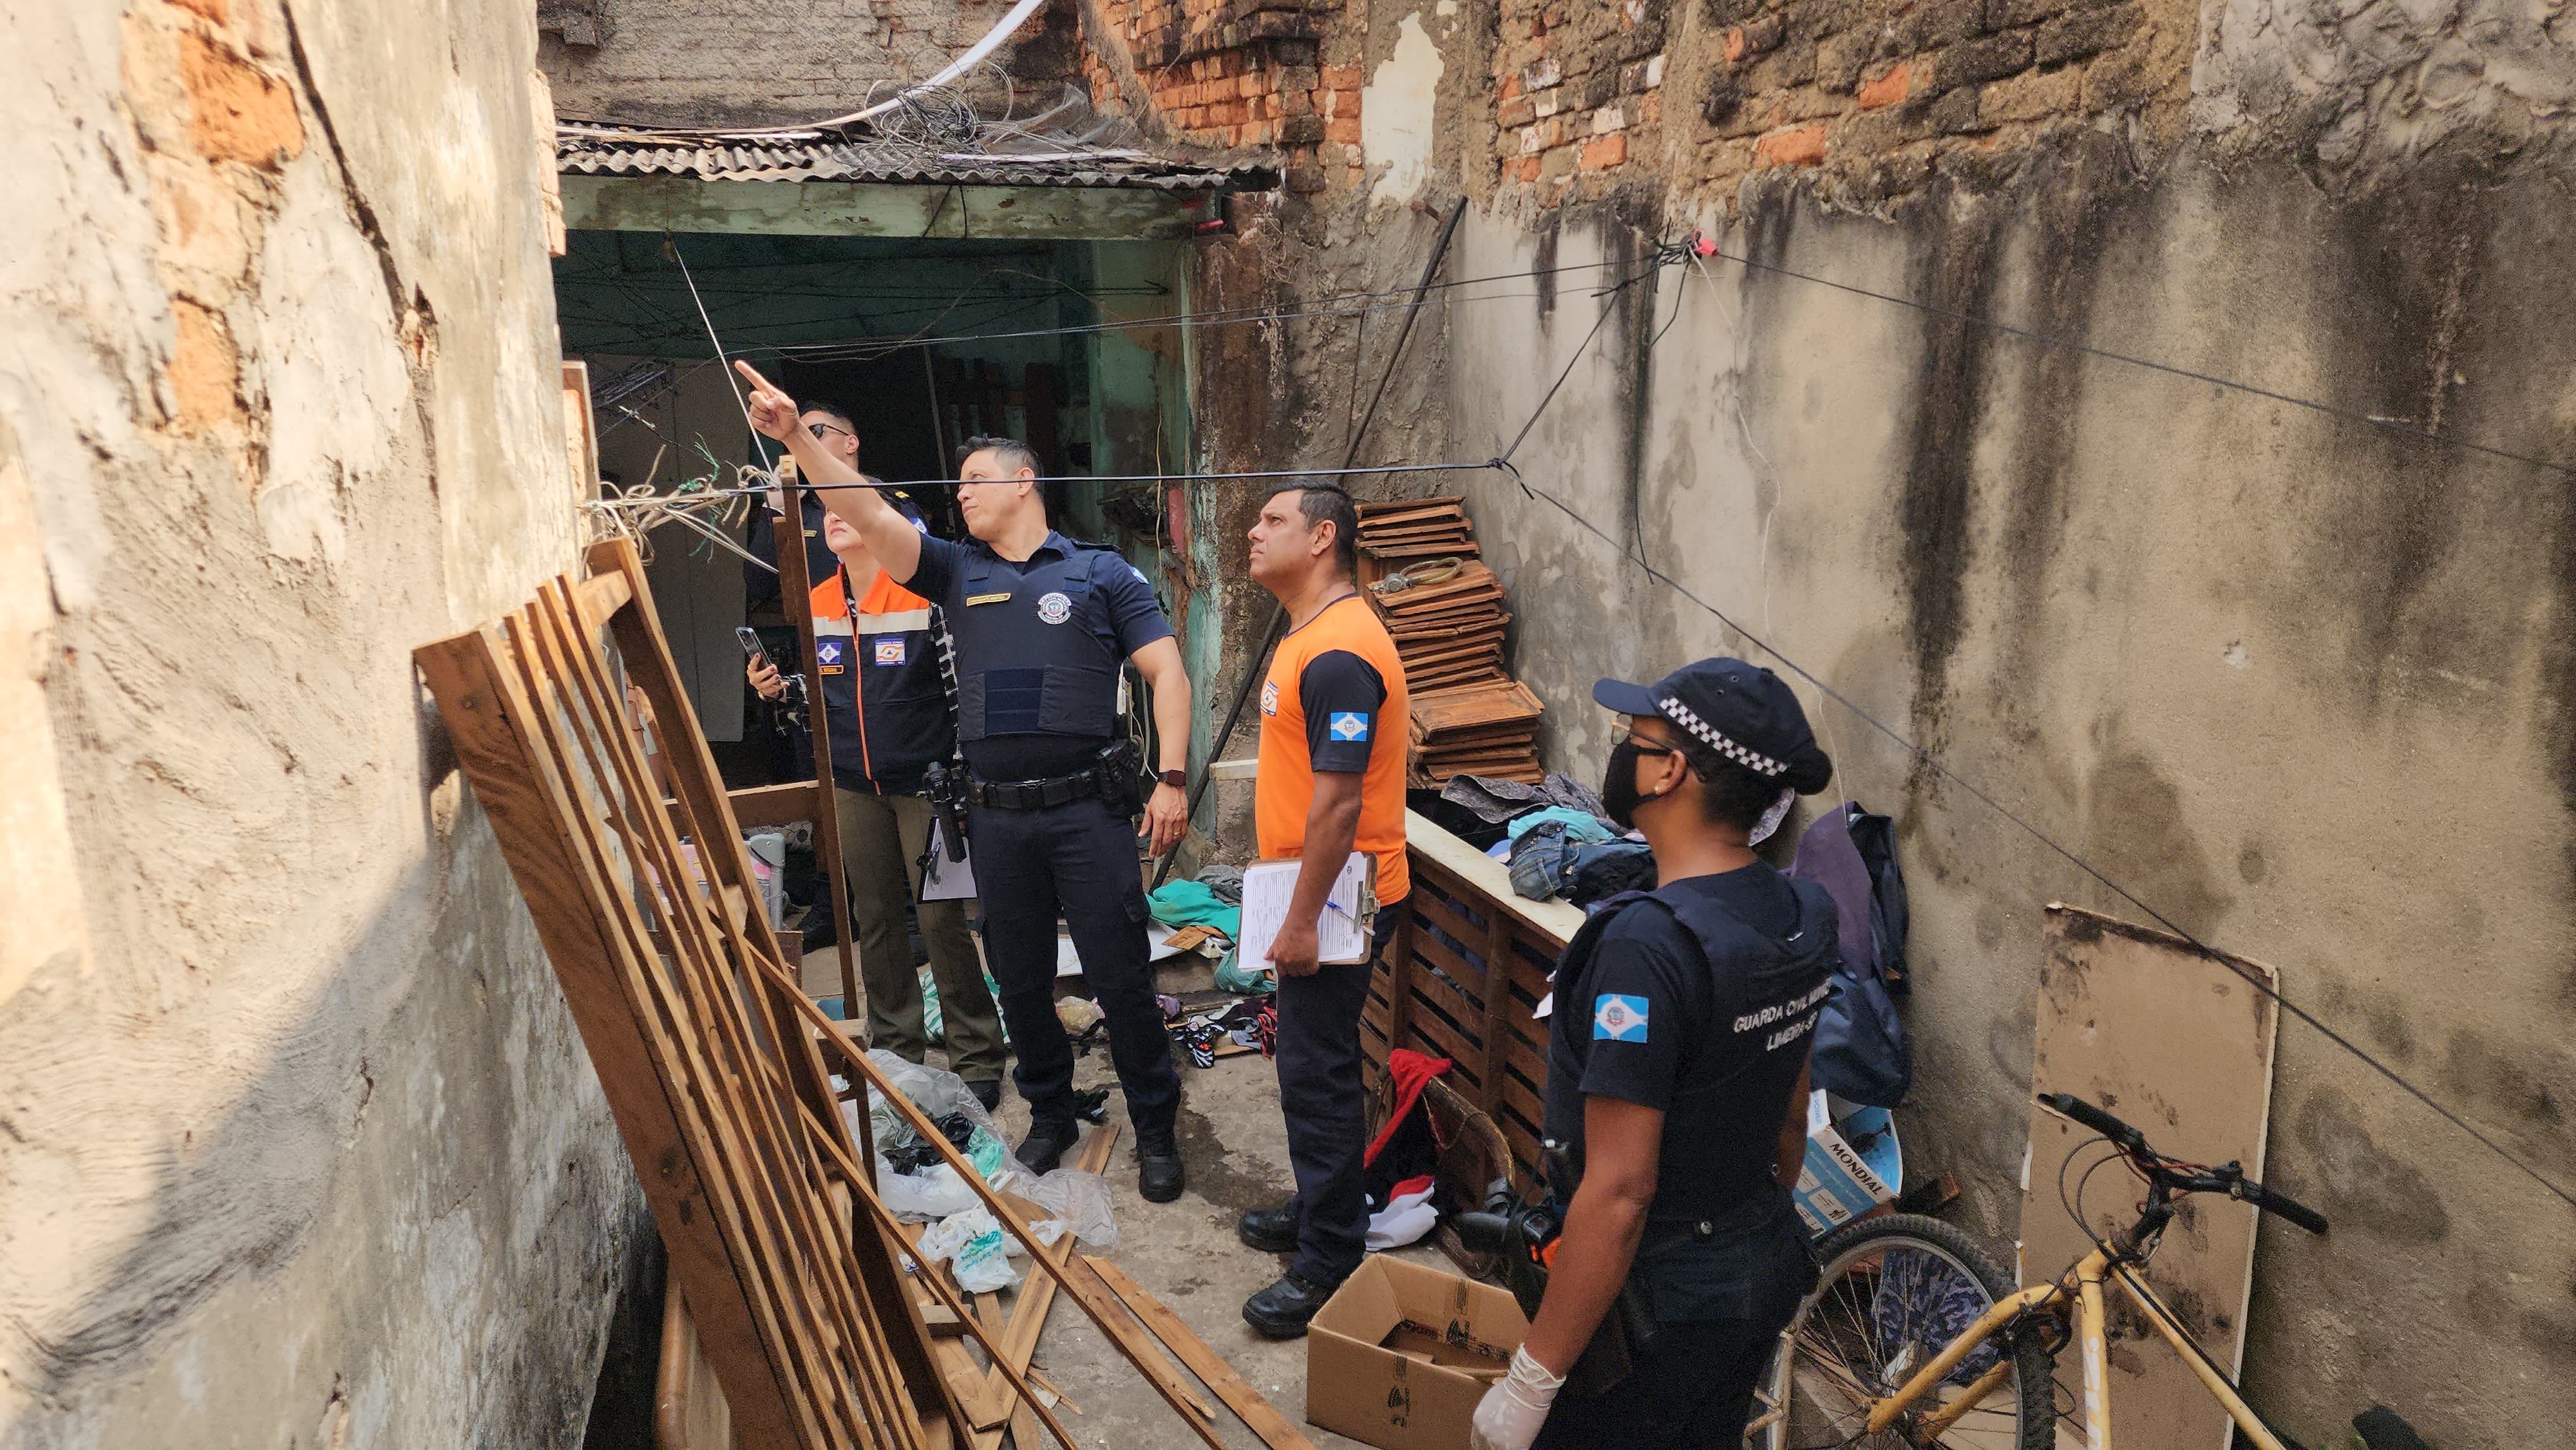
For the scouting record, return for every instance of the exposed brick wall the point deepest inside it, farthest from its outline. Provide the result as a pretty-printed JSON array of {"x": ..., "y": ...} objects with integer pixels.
[
  {"x": 1579, "y": 89},
  {"x": 1582, "y": 104},
  {"x": 1241, "y": 73},
  {"x": 745, "y": 61}
]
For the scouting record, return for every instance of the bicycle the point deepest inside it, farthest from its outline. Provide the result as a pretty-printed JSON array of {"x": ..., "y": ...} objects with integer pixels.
[{"x": 1913, "y": 1337}]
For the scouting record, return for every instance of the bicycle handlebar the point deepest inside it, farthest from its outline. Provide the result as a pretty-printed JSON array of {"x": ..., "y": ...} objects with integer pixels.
[
  {"x": 2128, "y": 1139},
  {"x": 2281, "y": 1204},
  {"x": 2230, "y": 1180}
]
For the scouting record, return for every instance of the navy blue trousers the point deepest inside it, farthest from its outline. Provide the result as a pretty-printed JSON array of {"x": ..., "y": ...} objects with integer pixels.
[
  {"x": 1326, "y": 1105},
  {"x": 1079, "y": 861},
  {"x": 1692, "y": 1389}
]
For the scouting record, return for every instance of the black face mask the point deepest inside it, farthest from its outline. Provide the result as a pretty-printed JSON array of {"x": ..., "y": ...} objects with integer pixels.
[{"x": 1619, "y": 793}]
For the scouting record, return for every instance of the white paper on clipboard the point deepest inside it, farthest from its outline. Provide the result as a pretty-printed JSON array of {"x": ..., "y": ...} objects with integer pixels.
[
  {"x": 947, "y": 880},
  {"x": 1341, "y": 930}
]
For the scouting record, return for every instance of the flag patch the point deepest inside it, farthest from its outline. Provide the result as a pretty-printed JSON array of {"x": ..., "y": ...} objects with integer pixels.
[
  {"x": 827, "y": 655},
  {"x": 1349, "y": 725},
  {"x": 1270, "y": 697},
  {"x": 890, "y": 651},
  {"x": 1617, "y": 1017}
]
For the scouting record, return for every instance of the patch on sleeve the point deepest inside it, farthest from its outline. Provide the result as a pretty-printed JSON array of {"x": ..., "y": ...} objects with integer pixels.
[
  {"x": 1351, "y": 725},
  {"x": 1617, "y": 1017},
  {"x": 1140, "y": 576}
]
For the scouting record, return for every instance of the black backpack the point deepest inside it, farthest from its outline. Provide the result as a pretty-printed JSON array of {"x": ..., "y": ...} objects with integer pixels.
[{"x": 1861, "y": 1051}]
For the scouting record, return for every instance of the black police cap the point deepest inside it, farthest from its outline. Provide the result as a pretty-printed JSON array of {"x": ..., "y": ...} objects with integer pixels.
[{"x": 1740, "y": 712}]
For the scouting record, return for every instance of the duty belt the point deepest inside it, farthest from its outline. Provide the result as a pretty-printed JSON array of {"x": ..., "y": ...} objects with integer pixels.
[{"x": 1031, "y": 795}]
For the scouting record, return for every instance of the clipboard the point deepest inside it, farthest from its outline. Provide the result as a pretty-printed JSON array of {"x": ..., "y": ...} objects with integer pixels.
[
  {"x": 947, "y": 880},
  {"x": 1342, "y": 930}
]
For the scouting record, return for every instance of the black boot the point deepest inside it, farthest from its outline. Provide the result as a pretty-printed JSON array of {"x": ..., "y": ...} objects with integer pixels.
[
  {"x": 1158, "y": 1166},
  {"x": 1283, "y": 1310},
  {"x": 987, "y": 1091},
  {"x": 1043, "y": 1149},
  {"x": 1272, "y": 1230}
]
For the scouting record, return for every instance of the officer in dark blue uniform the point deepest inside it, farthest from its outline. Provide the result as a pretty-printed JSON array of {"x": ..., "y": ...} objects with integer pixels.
[
  {"x": 1042, "y": 625},
  {"x": 1677, "y": 1083}
]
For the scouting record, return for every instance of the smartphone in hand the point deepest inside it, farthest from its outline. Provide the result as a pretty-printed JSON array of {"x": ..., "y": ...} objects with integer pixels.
[{"x": 752, "y": 649}]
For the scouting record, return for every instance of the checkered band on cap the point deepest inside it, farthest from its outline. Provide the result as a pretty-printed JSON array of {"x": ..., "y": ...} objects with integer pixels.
[{"x": 1752, "y": 760}]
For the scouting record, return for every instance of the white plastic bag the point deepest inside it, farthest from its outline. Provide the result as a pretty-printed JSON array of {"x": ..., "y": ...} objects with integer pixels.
[
  {"x": 935, "y": 1194},
  {"x": 938, "y": 1093},
  {"x": 975, "y": 1247},
  {"x": 1079, "y": 1201}
]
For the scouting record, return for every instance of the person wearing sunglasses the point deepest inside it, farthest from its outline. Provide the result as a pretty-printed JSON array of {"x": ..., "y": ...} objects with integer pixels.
[{"x": 1677, "y": 1084}]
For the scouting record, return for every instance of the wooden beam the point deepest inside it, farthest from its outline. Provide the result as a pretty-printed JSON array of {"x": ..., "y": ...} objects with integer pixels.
[
  {"x": 776, "y": 805},
  {"x": 878, "y": 209},
  {"x": 1257, "y": 1413}
]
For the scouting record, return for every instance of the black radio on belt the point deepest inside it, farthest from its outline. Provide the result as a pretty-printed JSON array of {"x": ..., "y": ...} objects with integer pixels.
[{"x": 1118, "y": 767}]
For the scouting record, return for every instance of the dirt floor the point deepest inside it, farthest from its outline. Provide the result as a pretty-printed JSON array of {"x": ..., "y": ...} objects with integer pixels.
[{"x": 1184, "y": 1252}]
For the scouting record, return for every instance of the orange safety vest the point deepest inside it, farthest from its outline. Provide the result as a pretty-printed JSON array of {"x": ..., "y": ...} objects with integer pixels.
[{"x": 1285, "y": 787}]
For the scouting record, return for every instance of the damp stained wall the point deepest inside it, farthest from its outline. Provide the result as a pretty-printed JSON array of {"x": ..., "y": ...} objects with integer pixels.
[
  {"x": 2300, "y": 684},
  {"x": 300, "y": 1147}
]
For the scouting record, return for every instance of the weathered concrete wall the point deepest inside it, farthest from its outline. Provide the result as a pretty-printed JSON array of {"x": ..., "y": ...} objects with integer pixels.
[
  {"x": 2300, "y": 684},
  {"x": 302, "y": 1148},
  {"x": 676, "y": 62}
]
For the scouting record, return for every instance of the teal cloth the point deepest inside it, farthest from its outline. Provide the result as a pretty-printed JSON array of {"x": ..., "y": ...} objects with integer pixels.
[
  {"x": 1581, "y": 827},
  {"x": 1191, "y": 903}
]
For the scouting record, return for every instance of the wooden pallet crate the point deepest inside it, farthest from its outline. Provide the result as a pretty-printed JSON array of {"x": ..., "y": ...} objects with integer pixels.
[{"x": 1463, "y": 979}]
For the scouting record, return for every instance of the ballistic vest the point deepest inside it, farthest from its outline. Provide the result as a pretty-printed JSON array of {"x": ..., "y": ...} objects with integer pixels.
[
  {"x": 1035, "y": 651},
  {"x": 1766, "y": 971}
]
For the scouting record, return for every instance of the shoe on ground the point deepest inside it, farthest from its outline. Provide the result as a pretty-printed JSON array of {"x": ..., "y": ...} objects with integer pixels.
[
  {"x": 1272, "y": 1230},
  {"x": 1043, "y": 1150},
  {"x": 987, "y": 1091},
  {"x": 1283, "y": 1310},
  {"x": 1159, "y": 1176}
]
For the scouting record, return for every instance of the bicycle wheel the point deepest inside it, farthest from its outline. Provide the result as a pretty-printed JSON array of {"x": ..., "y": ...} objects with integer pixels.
[{"x": 1893, "y": 1293}]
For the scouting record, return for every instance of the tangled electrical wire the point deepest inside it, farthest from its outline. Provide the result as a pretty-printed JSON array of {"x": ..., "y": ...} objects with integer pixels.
[{"x": 697, "y": 505}]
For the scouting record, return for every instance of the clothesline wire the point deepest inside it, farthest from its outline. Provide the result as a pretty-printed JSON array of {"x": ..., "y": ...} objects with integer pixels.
[
  {"x": 2402, "y": 427},
  {"x": 1327, "y": 306}
]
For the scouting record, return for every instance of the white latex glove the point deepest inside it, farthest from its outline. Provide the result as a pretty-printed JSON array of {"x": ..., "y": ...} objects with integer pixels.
[{"x": 1511, "y": 1412}]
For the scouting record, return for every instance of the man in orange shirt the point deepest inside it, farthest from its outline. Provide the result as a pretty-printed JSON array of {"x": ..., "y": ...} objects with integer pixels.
[{"x": 1334, "y": 725}]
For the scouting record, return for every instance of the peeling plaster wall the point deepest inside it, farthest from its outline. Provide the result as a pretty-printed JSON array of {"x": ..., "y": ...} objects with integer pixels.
[
  {"x": 2305, "y": 686},
  {"x": 2301, "y": 685},
  {"x": 301, "y": 1148}
]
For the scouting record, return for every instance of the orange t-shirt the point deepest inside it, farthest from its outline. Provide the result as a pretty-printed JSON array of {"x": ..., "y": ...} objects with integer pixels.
[{"x": 1335, "y": 700}]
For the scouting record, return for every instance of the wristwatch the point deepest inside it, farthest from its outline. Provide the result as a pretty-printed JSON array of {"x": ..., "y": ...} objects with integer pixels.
[{"x": 1177, "y": 780}]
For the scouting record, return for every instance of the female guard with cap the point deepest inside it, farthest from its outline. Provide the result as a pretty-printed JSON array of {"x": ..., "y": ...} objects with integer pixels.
[{"x": 1677, "y": 1085}]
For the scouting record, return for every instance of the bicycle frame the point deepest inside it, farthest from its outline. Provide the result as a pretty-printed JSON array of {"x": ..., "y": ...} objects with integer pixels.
[{"x": 2082, "y": 1285}]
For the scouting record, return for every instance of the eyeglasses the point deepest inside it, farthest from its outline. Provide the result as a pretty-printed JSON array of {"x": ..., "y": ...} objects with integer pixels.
[
  {"x": 1645, "y": 745},
  {"x": 819, "y": 429}
]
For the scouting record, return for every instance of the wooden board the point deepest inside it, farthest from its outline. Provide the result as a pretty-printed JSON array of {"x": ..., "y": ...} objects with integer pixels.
[
  {"x": 1257, "y": 1414},
  {"x": 641, "y": 901},
  {"x": 2178, "y": 1044}
]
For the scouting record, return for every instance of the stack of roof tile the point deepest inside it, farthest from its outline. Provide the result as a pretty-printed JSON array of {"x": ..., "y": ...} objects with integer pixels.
[
  {"x": 1444, "y": 608},
  {"x": 1489, "y": 729}
]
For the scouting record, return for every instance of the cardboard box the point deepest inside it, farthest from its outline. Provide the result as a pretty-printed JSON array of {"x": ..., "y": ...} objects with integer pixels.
[
  {"x": 1853, "y": 1165},
  {"x": 1400, "y": 1355}
]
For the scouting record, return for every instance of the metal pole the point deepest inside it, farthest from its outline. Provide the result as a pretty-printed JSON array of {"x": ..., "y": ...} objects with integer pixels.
[{"x": 1278, "y": 615}]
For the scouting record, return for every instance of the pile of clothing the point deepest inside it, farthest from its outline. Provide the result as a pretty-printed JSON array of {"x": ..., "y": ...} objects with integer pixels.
[
  {"x": 1205, "y": 916},
  {"x": 1556, "y": 839},
  {"x": 1251, "y": 1022}
]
